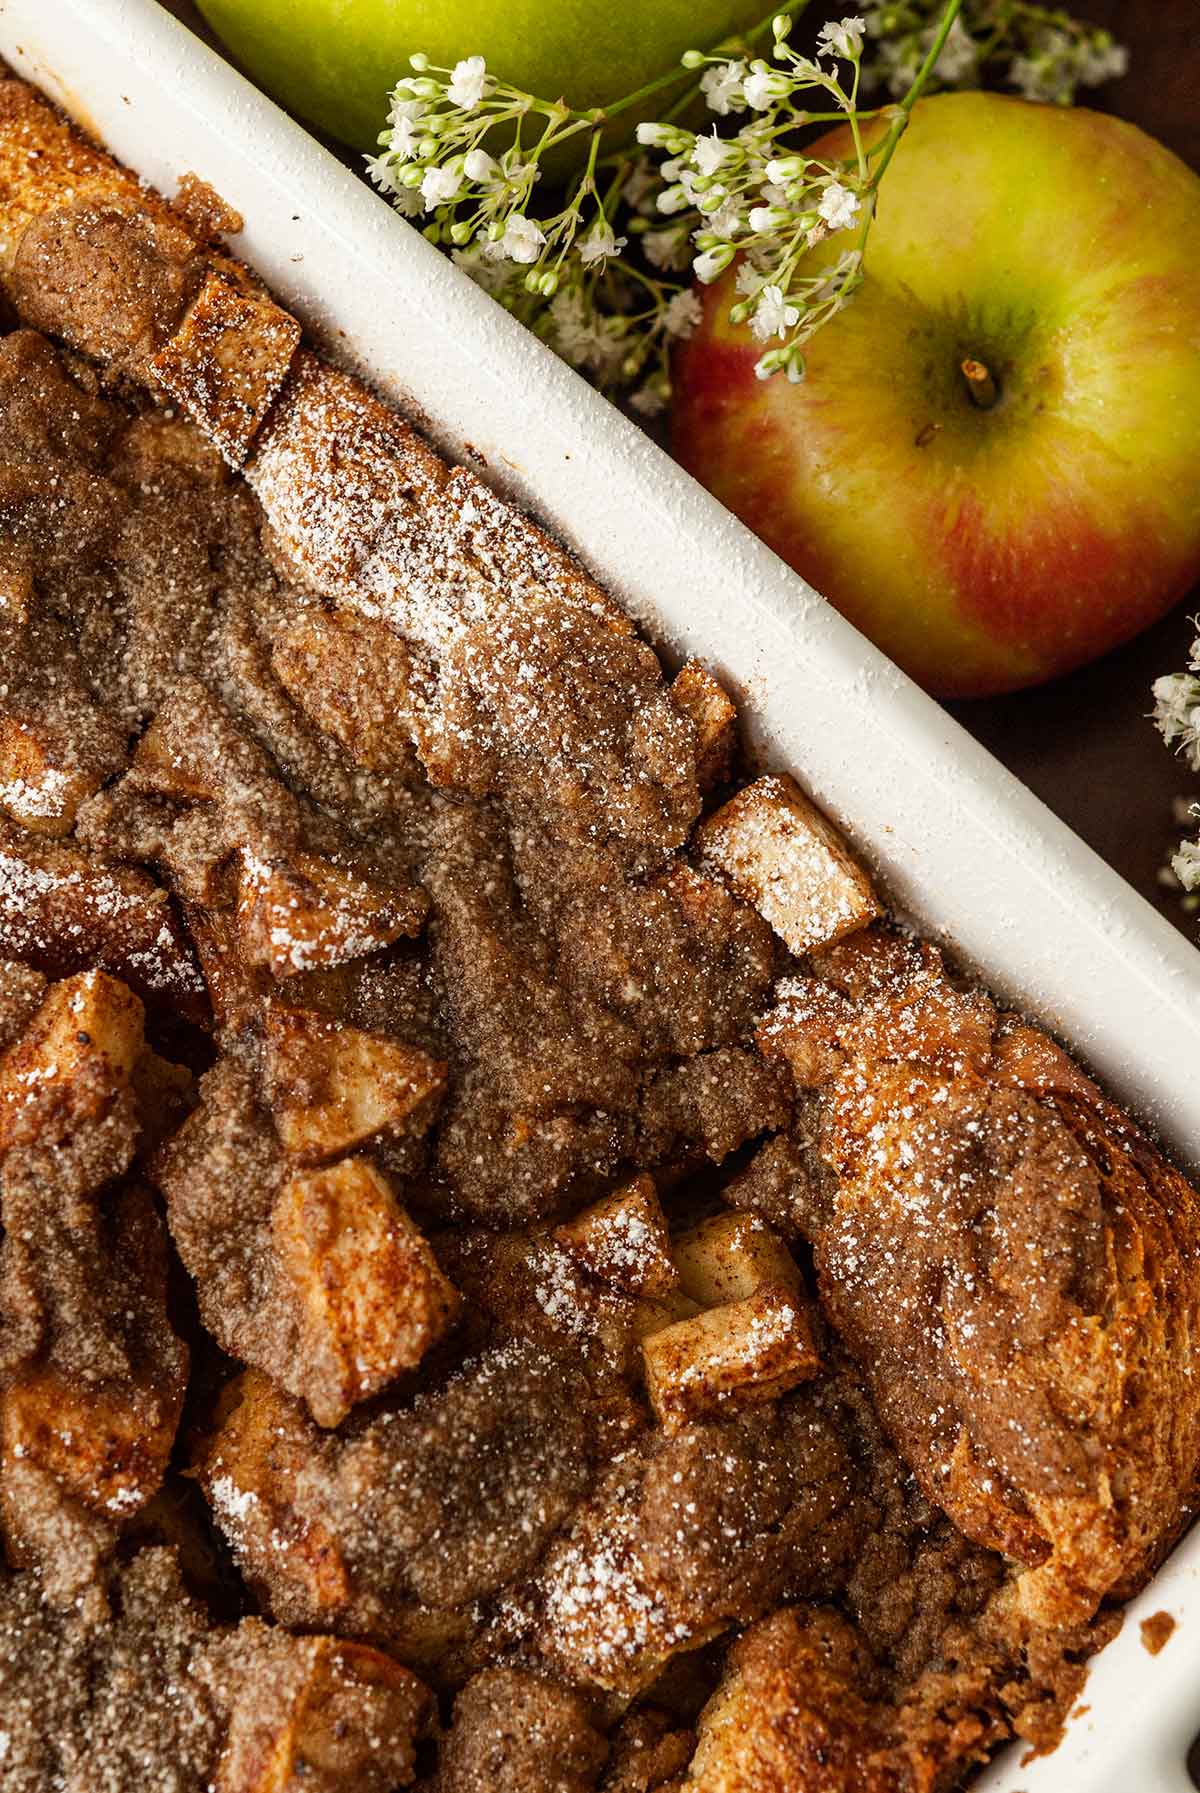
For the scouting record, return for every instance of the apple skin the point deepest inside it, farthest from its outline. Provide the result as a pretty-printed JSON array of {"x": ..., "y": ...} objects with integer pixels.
[
  {"x": 333, "y": 62},
  {"x": 984, "y": 550}
]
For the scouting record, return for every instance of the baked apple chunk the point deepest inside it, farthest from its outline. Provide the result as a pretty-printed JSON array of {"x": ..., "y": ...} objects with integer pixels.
[
  {"x": 369, "y": 1295},
  {"x": 91, "y": 1373},
  {"x": 753, "y": 1338},
  {"x": 332, "y": 1088},
  {"x": 316, "y": 1275}
]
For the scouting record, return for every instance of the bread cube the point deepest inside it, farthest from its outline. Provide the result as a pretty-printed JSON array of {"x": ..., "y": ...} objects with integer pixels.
[
  {"x": 730, "y": 1357},
  {"x": 61, "y": 910},
  {"x": 42, "y": 782},
  {"x": 781, "y": 854},
  {"x": 227, "y": 360},
  {"x": 710, "y": 709},
  {"x": 370, "y": 1297},
  {"x": 321, "y": 1714},
  {"x": 623, "y": 1240},
  {"x": 354, "y": 678},
  {"x": 309, "y": 913},
  {"x": 332, "y": 1087},
  {"x": 807, "y": 1028},
  {"x": 76, "y": 1055},
  {"x": 729, "y": 1257}
]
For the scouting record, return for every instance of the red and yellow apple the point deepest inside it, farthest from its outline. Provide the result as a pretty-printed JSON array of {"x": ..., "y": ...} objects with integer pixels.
[{"x": 984, "y": 549}]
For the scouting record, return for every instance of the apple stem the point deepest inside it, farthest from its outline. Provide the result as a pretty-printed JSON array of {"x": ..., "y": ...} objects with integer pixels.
[{"x": 980, "y": 383}]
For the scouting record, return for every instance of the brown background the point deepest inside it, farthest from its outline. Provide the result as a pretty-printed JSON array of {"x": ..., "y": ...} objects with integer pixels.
[{"x": 1085, "y": 743}]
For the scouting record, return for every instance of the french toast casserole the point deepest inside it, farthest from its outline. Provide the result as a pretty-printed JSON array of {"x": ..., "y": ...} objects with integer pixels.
[{"x": 516, "y": 1274}]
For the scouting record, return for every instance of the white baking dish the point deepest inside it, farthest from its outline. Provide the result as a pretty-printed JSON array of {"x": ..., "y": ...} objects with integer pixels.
[{"x": 960, "y": 843}]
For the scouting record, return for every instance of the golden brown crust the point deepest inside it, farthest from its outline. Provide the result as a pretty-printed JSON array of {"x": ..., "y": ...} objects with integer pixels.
[{"x": 1015, "y": 1266}]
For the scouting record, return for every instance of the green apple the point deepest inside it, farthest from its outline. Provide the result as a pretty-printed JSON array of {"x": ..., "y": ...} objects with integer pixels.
[
  {"x": 333, "y": 62},
  {"x": 983, "y": 548}
]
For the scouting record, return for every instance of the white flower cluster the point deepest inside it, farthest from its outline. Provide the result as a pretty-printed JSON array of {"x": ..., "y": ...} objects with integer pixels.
[
  {"x": 749, "y": 195},
  {"x": 432, "y": 158},
  {"x": 1177, "y": 709},
  {"x": 1043, "y": 53},
  {"x": 607, "y": 279},
  {"x": 1059, "y": 62},
  {"x": 1177, "y": 718}
]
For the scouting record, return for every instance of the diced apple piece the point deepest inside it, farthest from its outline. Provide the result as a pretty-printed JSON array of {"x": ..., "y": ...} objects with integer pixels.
[
  {"x": 227, "y": 361},
  {"x": 369, "y": 1292},
  {"x": 309, "y": 912},
  {"x": 333, "y": 1087},
  {"x": 783, "y": 856},
  {"x": 103, "y": 1446},
  {"x": 77, "y": 1053},
  {"x": 61, "y": 910},
  {"x": 709, "y": 707},
  {"x": 730, "y": 1357},
  {"x": 325, "y": 1716},
  {"x": 731, "y": 1256},
  {"x": 42, "y": 782},
  {"x": 624, "y": 1240},
  {"x": 247, "y": 1468}
]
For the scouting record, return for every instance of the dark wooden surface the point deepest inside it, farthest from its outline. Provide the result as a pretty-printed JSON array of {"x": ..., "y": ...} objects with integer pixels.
[{"x": 1085, "y": 744}]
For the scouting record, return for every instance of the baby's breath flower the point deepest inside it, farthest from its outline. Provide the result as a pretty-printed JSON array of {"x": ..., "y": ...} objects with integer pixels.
[
  {"x": 651, "y": 398},
  {"x": 843, "y": 38},
  {"x": 681, "y": 315},
  {"x": 1042, "y": 52},
  {"x": 723, "y": 88},
  {"x": 728, "y": 221},
  {"x": 764, "y": 86},
  {"x": 656, "y": 136},
  {"x": 667, "y": 249},
  {"x": 959, "y": 59},
  {"x": 468, "y": 83},
  {"x": 708, "y": 153},
  {"x": 838, "y": 206},
  {"x": 523, "y": 239},
  {"x": 439, "y": 186},
  {"x": 641, "y": 185},
  {"x": 599, "y": 244},
  {"x": 673, "y": 199},
  {"x": 710, "y": 265},
  {"x": 1186, "y": 864},
  {"x": 481, "y": 168},
  {"x": 773, "y": 316},
  {"x": 610, "y": 279}
]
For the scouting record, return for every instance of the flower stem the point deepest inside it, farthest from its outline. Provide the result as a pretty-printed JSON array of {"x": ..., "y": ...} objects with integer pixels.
[{"x": 887, "y": 148}]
